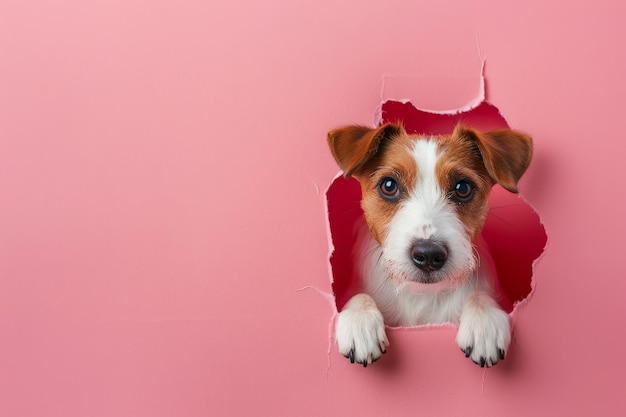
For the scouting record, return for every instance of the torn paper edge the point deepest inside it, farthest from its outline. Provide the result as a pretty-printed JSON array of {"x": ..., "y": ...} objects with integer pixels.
[
  {"x": 472, "y": 104},
  {"x": 521, "y": 304},
  {"x": 330, "y": 297},
  {"x": 378, "y": 117}
]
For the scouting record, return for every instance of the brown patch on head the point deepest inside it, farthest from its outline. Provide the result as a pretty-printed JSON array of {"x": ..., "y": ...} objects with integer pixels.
[
  {"x": 460, "y": 160},
  {"x": 482, "y": 159},
  {"x": 397, "y": 163},
  {"x": 371, "y": 155}
]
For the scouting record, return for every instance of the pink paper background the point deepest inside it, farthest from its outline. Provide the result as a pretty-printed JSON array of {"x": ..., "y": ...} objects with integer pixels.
[{"x": 162, "y": 177}]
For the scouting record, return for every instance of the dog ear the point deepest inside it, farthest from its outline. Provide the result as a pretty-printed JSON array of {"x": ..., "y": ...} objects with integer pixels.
[
  {"x": 506, "y": 153},
  {"x": 353, "y": 146}
]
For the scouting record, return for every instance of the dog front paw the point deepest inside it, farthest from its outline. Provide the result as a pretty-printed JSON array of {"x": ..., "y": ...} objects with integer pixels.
[
  {"x": 484, "y": 331},
  {"x": 360, "y": 331}
]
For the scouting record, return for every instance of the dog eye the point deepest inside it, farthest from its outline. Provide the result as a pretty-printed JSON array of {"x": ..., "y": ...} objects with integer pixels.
[
  {"x": 463, "y": 191},
  {"x": 388, "y": 189}
]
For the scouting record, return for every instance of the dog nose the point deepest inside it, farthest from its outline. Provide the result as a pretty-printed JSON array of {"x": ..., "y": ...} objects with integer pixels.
[{"x": 428, "y": 255}]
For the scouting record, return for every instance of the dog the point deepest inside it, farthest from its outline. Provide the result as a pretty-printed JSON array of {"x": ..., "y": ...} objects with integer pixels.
[{"x": 418, "y": 252}]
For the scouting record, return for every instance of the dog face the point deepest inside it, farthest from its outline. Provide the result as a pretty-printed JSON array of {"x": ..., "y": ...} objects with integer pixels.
[{"x": 425, "y": 198}]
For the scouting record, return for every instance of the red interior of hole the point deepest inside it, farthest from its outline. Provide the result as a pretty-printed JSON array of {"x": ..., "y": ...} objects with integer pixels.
[{"x": 512, "y": 230}]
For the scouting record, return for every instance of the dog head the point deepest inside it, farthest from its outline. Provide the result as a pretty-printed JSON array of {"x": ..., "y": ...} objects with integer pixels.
[{"x": 425, "y": 197}]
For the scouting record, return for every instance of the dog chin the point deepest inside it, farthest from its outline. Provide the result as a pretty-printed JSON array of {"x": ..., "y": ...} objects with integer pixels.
[
  {"x": 418, "y": 282},
  {"x": 443, "y": 285}
]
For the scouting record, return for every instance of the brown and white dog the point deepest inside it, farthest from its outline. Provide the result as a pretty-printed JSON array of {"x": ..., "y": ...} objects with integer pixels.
[{"x": 418, "y": 252}]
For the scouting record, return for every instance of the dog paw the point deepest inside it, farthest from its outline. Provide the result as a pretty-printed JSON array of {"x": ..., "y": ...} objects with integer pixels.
[
  {"x": 484, "y": 331},
  {"x": 360, "y": 331}
]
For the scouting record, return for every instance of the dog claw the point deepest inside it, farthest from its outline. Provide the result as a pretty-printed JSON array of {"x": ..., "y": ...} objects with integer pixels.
[
  {"x": 468, "y": 351},
  {"x": 482, "y": 362},
  {"x": 368, "y": 361},
  {"x": 501, "y": 353}
]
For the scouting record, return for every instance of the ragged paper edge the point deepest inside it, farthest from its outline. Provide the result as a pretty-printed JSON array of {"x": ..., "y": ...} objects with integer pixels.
[
  {"x": 329, "y": 237},
  {"x": 330, "y": 297},
  {"x": 472, "y": 104},
  {"x": 521, "y": 304}
]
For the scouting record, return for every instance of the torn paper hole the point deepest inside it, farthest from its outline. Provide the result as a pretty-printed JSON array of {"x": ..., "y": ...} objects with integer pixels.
[{"x": 513, "y": 230}]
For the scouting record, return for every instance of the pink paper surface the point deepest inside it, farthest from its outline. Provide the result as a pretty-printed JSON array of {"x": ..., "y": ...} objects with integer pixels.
[{"x": 162, "y": 176}]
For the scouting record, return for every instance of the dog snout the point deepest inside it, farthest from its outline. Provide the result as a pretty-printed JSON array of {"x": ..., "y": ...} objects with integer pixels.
[{"x": 429, "y": 255}]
